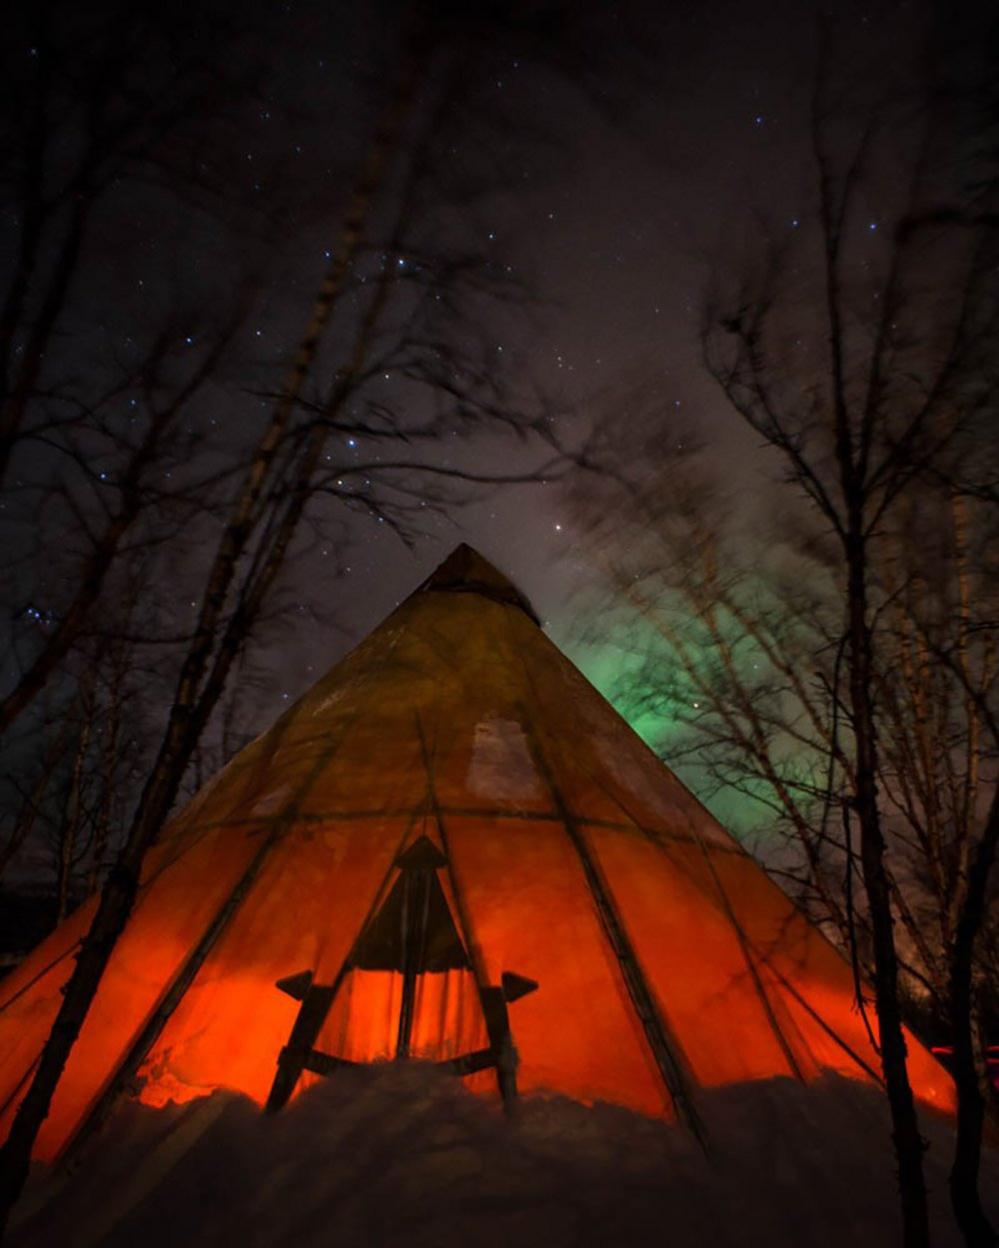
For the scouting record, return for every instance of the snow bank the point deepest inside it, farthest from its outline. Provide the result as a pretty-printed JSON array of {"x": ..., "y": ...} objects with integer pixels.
[{"x": 400, "y": 1155}]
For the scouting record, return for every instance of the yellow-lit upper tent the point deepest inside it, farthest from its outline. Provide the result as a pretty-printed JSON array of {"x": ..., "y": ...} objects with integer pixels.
[{"x": 451, "y": 848}]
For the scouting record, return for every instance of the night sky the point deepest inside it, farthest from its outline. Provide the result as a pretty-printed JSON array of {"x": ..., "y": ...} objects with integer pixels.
[
  {"x": 616, "y": 235},
  {"x": 698, "y": 123},
  {"x": 620, "y": 186},
  {"x": 696, "y": 132}
]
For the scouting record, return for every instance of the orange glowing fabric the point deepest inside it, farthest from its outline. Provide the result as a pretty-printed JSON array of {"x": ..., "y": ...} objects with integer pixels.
[{"x": 571, "y": 858}]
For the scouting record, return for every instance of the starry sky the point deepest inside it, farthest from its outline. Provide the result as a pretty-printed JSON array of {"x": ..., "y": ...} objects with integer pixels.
[
  {"x": 622, "y": 185},
  {"x": 696, "y": 130}
]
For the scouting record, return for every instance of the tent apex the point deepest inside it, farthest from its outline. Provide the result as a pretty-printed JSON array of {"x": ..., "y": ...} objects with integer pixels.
[{"x": 466, "y": 571}]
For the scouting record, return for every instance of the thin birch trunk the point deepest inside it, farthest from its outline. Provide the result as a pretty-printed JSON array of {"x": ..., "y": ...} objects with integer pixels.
[
  {"x": 192, "y": 702},
  {"x": 70, "y": 830},
  {"x": 964, "y": 1194}
]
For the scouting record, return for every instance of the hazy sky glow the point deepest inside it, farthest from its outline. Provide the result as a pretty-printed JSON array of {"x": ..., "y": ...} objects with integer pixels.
[{"x": 622, "y": 188}]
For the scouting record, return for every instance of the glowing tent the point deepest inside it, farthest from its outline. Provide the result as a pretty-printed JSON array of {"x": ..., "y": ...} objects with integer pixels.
[{"x": 451, "y": 849}]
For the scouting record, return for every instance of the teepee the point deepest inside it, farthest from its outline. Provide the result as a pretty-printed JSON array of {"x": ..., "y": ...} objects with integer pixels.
[{"x": 450, "y": 849}]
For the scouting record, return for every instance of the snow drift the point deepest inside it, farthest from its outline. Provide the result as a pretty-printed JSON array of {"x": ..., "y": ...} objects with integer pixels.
[{"x": 400, "y": 1154}]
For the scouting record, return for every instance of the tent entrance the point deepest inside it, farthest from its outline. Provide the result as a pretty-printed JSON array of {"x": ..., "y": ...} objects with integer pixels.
[
  {"x": 412, "y": 934},
  {"x": 408, "y": 989}
]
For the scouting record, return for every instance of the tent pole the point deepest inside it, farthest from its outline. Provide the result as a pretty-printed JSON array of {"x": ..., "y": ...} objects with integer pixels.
[
  {"x": 317, "y": 1001},
  {"x": 492, "y": 999},
  {"x": 129, "y": 1065},
  {"x": 659, "y": 1040},
  {"x": 747, "y": 954}
]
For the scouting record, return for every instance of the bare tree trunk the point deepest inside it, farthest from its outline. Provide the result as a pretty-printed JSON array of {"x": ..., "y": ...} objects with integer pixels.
[
  {"x": 33, "y": 217},
  {"x": 102, "y": 829},
  {"x": 25, "y": 822},
  {"x": 193, "y": 702},
  {"x": 15, "y": 405},
  {"x": 29, "y": 811},
  {"x": 966, "y": 1202},
  {"x": 102, "y": 558},
  {"x": 854, "y": 443},
  {"x": 71, "y": 820},
  {"x": 909, "y": 1145}
]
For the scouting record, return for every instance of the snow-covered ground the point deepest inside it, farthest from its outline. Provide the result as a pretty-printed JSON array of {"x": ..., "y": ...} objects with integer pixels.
[{"x": 401, "y": 1155}]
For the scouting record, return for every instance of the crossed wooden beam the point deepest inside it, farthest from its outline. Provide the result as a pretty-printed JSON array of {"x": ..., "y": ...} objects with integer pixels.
[{"x": 412, "y": 933}]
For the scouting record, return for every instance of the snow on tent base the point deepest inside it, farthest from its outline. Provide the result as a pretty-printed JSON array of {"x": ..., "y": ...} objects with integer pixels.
[
  {"x": 398, "y": 1155},
  {"x": 451, "y": 849}
]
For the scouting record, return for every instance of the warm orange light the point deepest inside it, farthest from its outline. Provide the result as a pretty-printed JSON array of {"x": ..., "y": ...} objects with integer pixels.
[{"x": 457, "y": 721}]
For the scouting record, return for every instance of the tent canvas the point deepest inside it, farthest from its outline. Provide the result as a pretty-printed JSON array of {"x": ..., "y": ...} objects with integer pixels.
[{"x": 451, "y": 848}]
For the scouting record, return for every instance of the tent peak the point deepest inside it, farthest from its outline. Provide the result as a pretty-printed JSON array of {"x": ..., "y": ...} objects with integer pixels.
[{"x": 466, "y": 571}]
